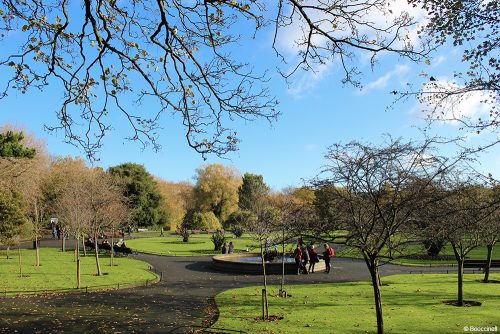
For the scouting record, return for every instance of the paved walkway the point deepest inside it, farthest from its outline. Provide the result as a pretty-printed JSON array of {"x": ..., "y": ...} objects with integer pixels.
[{"x": 176, "y": 305}]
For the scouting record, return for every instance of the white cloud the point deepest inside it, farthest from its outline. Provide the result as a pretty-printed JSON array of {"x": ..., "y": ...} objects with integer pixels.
[
  {"x": 398, "y": 72},
  {"x": 438, "y": 61},
  {"x": 307, "y": 80},
  {"x": 452, "y": 109},
  {"x": 378, "y": 24},
  {"x": 311, "y": 147}
]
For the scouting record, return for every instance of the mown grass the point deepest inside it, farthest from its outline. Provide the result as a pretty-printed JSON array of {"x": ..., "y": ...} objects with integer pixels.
[
  {"x": 199, "y": 244},
  {"x": 411, "y": 304},
  {"x": 446, "y": 256},
  {"x": 58, "y": 272}
]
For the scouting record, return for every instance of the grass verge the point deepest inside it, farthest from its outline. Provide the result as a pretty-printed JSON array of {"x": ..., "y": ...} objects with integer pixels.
[
  {"x": 446, "y": 255},
  {"x": 412, "y": 304},
  {"x": 199, "y": 244},
  {"x": 58, "y": 272}
]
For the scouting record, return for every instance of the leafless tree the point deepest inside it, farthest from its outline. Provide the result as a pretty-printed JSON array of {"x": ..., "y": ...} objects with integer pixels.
[
  {"x": 73, "y": 208},
  {"x": 473, "y": 28},
  {"x": 490, "y": 226},
  {"x": 374, "y": 197},
  {"x": 291, "y": 222},
  {"x": 106, "y": 55},
  {"x": 459, "y": 218}
]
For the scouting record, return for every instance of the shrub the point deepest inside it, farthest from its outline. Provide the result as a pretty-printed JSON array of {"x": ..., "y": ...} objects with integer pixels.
[
  {"x": 218, "y": 238},
  {"x": 434, "y": 246},
  {"x": 238, "y": 231},
  {"x": 239, "y": 218},
  {"x": 205, "y": 221},
  {"x": 184, "y": 232}
]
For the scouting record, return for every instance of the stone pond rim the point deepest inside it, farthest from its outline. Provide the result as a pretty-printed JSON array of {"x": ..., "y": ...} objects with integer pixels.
[{"x": 235, "y": 263}]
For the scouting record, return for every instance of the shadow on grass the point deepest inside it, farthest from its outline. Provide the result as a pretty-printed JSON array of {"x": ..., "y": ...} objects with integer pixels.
[
  {"x": 466, "y": 303},
  {"x": 182, "y": 242},
  {"x": 493, "y": 281}
]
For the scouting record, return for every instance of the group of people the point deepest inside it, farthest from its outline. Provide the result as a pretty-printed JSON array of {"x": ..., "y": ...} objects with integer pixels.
[
  {"x": 227, "y": 249},
  {"x": 56, "y": 233},
  {"x": 307, "y": 255}
]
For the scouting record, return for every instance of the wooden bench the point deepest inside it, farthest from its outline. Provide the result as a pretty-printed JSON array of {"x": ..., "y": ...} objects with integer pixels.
[{"x": 481, "y": 264}]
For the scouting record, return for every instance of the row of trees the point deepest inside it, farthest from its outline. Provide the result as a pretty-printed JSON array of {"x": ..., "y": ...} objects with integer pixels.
[
  {"x": 387, "y": 199},
  {"x": 382, "y": 201},
  {"x": 220, "y": 197},
  {"x": 35, "y": 188}
]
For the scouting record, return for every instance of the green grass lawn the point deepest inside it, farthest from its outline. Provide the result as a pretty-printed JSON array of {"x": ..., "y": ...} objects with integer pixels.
[
  {"x": 478, "y": 253},
  {"x": 58, "y": 271},
  {"x": 411, "y": 304},
  {"x": 199, "y": 244},
  {"x": 148, "y": 234}
]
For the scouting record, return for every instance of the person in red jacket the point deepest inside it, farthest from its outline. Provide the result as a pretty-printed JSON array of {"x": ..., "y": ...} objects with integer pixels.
[
  {"x": 297, "y": 255},
  {"x": 313, "y": 258},
  {"x": 327, "y": 254}
]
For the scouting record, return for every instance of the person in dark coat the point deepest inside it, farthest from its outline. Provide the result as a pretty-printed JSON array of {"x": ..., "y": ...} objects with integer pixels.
[
  {"x": 326, "y": 257},
  {"x": 305, "y": 259},
  {"x": 297, "y": 255},
  {"x": 224, "y": 248},
  {"x": 313, "y": 258}
]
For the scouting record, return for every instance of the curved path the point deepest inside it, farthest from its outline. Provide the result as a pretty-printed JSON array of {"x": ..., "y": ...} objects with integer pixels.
[{"x": 180, "y": 303}]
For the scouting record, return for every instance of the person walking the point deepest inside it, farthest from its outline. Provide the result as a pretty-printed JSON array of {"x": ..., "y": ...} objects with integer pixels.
[
  {"x": 224, "y": 248},
  {"x": 305, "y": 259},
  {"x": 230, "y": 248},
  {"x": 327, "y": 254},
  {"x": 297, "y": 255},
  {"x": 313, "y": 258}
]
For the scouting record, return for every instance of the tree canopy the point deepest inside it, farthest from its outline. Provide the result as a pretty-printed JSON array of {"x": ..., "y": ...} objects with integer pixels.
[
  {"x": 473, "y": 27},
  {"x": 252, "y": 192},
  {"x": 216, "y": 190},
  {"x": 11, "y": 146},
  {"x": 106, "y": 55},
  {"x": 141, "y": 190},
  {"x": 12, "y": 215}
]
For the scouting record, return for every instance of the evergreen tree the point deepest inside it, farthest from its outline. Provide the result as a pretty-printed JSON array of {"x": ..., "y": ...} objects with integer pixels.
[{"x": 141, "y": 190}]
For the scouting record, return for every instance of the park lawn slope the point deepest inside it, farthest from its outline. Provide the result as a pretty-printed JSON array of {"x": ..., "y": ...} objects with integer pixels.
[
  {"x": 411, "y": 304},
  {"x": 58, "y": 272},
  {"x": 198, "y": 245},
  {"x": 478, "y": 253}
]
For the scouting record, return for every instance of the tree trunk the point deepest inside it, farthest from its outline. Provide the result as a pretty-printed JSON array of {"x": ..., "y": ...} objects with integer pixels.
[
  {"x": 78, "y": 273},
  {"x": 77, "y": 249},
  {"x": 37, "y": 251},
  {"x": 282, "y": 287},
  {"x": 112, "y": 252},
  {"x": 83, "y": 245},
  {"x": 375, "y": 276},
  {"x": 37, "y": 227},
  {"x": 488, "y": 263},
  {"x": 99, "y": 272},
  {"x": 265, "y": 304},
  {"x": 460, "y": 269},
  {"x": 63, "y": 240},
  {"x": 20, "y": 262},
  {"x": 7, "y": 252}
]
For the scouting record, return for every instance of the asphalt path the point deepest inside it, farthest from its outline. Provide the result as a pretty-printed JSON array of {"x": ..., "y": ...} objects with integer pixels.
[{"x": 181, "y": 303}]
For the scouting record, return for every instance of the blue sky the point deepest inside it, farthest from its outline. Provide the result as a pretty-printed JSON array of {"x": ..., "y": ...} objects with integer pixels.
[{"x": 317, "y": 111}]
